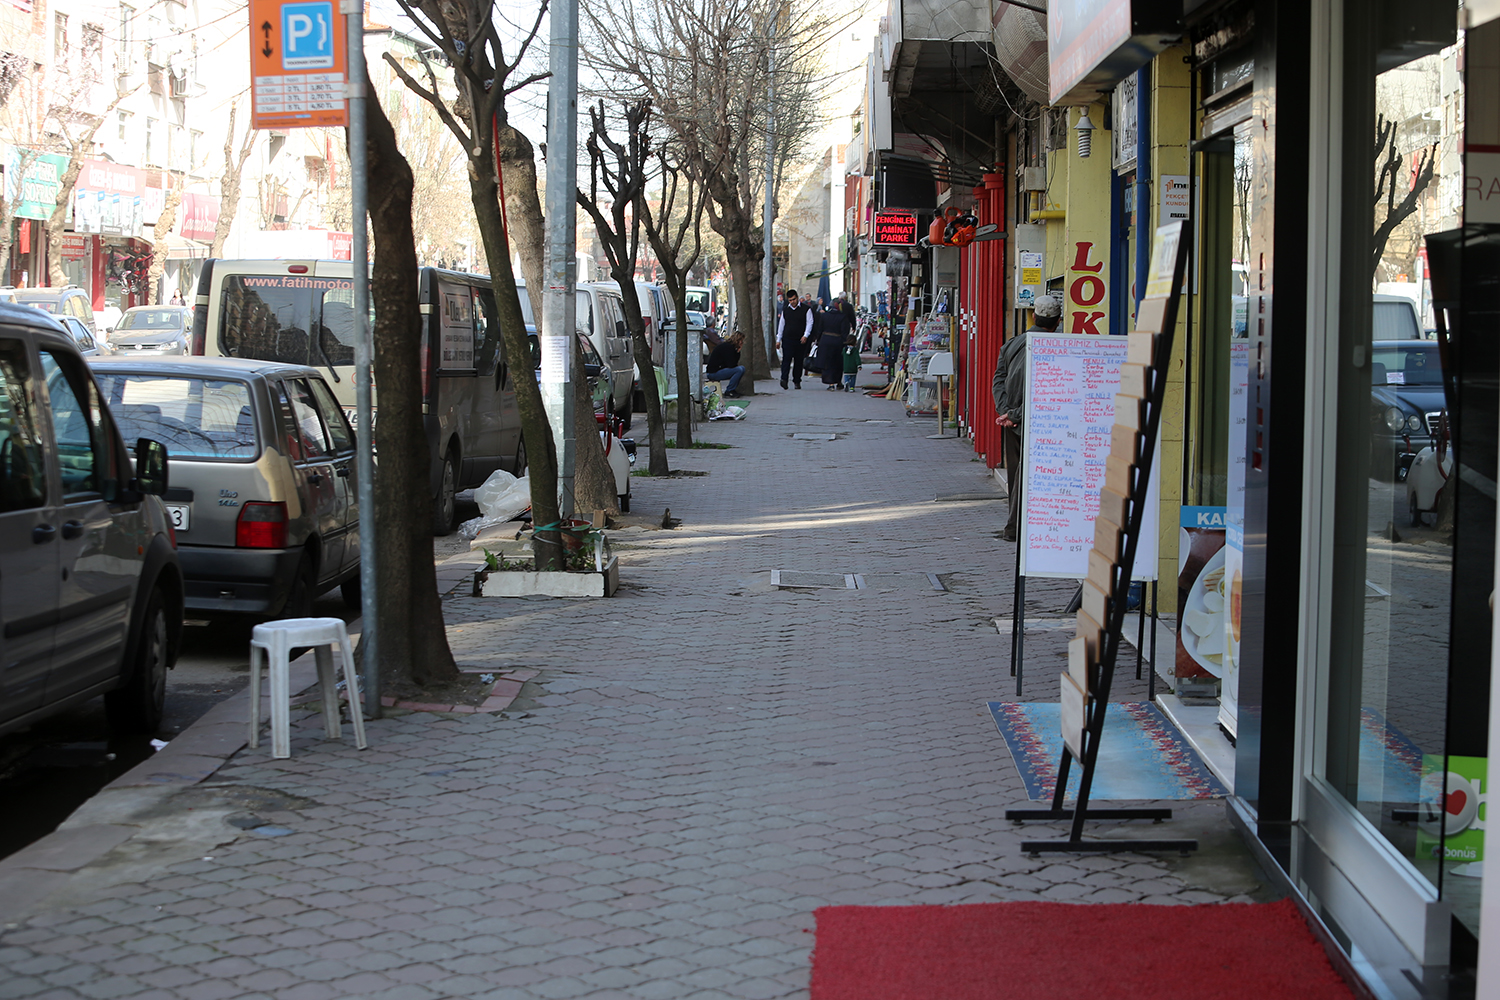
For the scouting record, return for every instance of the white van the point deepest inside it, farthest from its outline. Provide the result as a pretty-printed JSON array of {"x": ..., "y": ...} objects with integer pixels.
[
  {"x": 302, "y": 312},
  {"x": 601, "y": 316}
]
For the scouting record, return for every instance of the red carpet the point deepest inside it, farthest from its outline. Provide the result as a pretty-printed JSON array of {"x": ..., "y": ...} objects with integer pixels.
[{"x": 1064, "y": 951}]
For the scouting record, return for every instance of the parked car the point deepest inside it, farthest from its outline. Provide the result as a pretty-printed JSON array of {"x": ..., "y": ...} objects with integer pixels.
[
  {"x": 153, "y": 330},
  {"x": 264, "y": 496},
  {"x": 1394, "y": 317},
  {"x": 1406, "y": 403},
  {"x": 90, "y": 583},
  {"x": 600, "y": 317},
  {"x": 87, "y": 345},
  {"x": 69, "y": 300}
]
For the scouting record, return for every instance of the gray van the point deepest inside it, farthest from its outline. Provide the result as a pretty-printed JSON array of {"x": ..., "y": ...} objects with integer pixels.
[
  {"x": 90, "y": 585},
  {"x": 264, "y": 493},
  {"x": 302, "y": 312}
]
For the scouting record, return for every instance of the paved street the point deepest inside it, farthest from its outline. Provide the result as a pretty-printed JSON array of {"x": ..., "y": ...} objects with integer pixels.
[{"x": 701, "y": 762}]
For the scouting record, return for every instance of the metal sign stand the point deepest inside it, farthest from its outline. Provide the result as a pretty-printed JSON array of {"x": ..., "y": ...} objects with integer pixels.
[{"x": 1153, "y": 340}]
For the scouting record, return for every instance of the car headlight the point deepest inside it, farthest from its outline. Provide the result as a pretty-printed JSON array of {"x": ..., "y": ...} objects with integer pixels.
[
  {"x": 1414, "y": 423},
  {"x": 1394, "y": 418}
]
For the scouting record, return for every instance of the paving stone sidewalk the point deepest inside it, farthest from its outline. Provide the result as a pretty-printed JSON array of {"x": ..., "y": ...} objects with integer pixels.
[{"x": 699, "y": 764}]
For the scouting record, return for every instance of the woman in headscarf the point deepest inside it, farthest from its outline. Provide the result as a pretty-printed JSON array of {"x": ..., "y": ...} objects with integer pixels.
[{"x": 834, "y": 329}]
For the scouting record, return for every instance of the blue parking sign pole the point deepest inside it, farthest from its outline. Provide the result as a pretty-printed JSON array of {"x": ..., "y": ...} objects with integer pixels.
[{"x": 353, "y": 11}]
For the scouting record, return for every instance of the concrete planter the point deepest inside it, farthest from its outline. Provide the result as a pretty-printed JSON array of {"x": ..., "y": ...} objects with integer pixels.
[{"x": 553, "y": 583}]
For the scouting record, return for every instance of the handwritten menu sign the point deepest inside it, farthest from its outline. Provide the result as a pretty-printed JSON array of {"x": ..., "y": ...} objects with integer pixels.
[{"x": 1072, "y": 379}]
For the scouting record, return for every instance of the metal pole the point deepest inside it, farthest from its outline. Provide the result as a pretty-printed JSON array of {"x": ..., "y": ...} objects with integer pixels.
[
  {"x": 354, "y": 19},
  {"x": 559, "y": 308},
  {"x": 767, "y": 271}
]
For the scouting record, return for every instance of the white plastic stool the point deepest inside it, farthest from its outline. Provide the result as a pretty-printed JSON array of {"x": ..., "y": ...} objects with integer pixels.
[{"x": 277, "y": 640}]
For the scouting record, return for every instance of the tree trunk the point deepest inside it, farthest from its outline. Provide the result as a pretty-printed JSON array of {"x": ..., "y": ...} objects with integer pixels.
[
  {"x": 593, "y": 479},
  {"x": 164, "y": 224},
  {"x": 56, "y": 276},
  {"x": 536, "y": 431},
  {"x": 685, "y": 401},
  {"x": 656, "y": 427},
  {"x": 523, "y": 212},
  {"x": 739, "y": 275},
  {"x": 413, "y": 640}
]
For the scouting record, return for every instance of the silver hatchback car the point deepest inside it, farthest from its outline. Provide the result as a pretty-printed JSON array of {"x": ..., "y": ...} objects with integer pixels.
[
  {"x": 152, "y": 330},
  {"x": 263, "y": 493}
]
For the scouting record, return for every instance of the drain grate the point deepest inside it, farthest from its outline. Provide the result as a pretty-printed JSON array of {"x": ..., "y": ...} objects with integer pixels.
[
  {"x": 804, "y": 436},
  {"x": 784, "y": 578},
  {"x": 899, "y": 581}
]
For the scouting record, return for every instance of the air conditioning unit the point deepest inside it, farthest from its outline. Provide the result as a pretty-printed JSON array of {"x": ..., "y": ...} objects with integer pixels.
[
  {"x": 183, "y": 85},
  {"x": 156, "y": 53}
]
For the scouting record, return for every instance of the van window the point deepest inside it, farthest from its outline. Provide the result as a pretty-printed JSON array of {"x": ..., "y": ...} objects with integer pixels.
[
  {"x": 489, "y": 343},
  {"x": 697, "y": 299},
  {"x": 294, "y": 318},
  {"x": 82, "y": 448},
  {"x": 23, "y": 475},
  {"x": 194, "y": 417},
  {"x": 1395, "y": 321},
  {"x": 609, "y": 308},
  {"x": 585, "y": 320}
]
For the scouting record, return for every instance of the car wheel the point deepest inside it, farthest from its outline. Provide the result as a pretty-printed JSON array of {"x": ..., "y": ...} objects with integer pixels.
[
  {"x": 1416, "y": 512},
  {"x": 352, "y": 593},
  {"x": 137, "y": 706},
  {"x": 444, "y": 507},
  {"x": 624, "y": 416},
  {"x": 625, "y": 502}
]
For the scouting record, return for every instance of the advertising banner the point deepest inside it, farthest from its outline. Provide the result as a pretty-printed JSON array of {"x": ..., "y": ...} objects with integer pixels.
[
  {"x": 1234, "y": 517},
  {"x": 200, "y": 214},
  {"x": 41, "y": 182},
  {"x": 109, "y": 198},
  {"x": 1202, "y": 594},
  {"x": 1461, "y": 792}
]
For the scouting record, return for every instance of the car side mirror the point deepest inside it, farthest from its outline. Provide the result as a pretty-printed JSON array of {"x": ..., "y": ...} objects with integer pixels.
[
  {"x": 150, "y": 467},
  {"x": 593, "y": 371}
]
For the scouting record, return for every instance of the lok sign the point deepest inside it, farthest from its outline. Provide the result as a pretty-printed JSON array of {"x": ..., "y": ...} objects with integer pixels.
[{"x": 298, "y": 64}]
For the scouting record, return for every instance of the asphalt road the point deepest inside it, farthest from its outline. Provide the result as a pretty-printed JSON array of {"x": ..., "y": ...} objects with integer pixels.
[{"x": 52, "y": 768}]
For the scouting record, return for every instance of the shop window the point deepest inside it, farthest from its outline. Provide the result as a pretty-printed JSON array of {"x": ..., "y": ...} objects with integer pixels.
[{"x": 1411, "y": 577}]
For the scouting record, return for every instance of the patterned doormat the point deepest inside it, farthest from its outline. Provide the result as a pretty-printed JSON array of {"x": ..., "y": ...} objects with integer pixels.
[{"x": 1141, "y": 755}]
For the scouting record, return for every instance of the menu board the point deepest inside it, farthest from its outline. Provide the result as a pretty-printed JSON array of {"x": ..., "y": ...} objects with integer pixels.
[{"x": 1071, "y": 383}]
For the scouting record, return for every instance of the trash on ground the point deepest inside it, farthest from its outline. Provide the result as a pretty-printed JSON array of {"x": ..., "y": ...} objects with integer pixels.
[{"x": 500, "y": 499}]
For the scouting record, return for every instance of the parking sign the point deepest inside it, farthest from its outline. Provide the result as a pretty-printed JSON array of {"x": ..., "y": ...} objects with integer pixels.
[{"x": 298, "y": 64}]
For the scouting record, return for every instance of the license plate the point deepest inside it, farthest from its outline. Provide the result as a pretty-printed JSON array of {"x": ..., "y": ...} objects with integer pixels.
[{"x": 178, "y": 513}]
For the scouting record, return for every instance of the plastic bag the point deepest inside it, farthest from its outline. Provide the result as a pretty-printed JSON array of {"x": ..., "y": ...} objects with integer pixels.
[{"x": 500, "y": 499}]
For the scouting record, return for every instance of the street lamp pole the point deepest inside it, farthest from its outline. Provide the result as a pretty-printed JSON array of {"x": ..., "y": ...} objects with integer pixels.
[{"x": 559, "y": 308}]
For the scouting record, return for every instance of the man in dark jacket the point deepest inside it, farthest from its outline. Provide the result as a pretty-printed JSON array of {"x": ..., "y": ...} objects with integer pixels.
[
  {"x": 793, "y": 331},
  {"x": 724, "y": 364},
  {"x": 1009, "y": 389}
]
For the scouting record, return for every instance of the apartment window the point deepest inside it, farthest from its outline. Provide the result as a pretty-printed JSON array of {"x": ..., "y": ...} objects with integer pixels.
[
  {"x": 60, "y": 40},
  {"x": 122, "y": 124},
  {"x": 152, "y": 142},
  {"x": 195, "y": 149},
  {"x": 127, "y": 34}
]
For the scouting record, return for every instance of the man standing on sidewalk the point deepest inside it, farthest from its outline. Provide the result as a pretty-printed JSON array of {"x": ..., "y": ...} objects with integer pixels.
[
  {"x": 793, "y": 331},
  {"x": 1009, "y": 390}
]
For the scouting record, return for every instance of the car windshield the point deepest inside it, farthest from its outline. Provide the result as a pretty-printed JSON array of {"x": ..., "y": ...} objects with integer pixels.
[
  {"x": 193, "y": 417},
  {"x": 139, "y": 320},
  {"x": 1417, "y": 364},
  {"x": 698, "y": 300},
  {"x": 293, "y": 318}
]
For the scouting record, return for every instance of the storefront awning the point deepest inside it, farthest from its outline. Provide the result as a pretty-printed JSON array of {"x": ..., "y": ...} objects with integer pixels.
[{"x": 182, "y": 248}]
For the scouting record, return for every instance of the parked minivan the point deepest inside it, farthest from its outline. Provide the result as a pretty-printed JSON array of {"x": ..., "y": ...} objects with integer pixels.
[
  {"x": 90, "y": 585},
  {"x": 302, "y": 312},
  {"x": 601, "y": 316}
]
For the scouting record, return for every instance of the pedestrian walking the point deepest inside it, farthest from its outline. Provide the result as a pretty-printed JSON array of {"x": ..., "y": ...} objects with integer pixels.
[
  {"x": 814, "y": 362},
  {"x": 835, "y": 331},
  {"x": 794, "y": 330},
  {"x": 1009, "y": 390},
  {"x": 724, "y": 364},
  {"x": 851, "y": 362}
]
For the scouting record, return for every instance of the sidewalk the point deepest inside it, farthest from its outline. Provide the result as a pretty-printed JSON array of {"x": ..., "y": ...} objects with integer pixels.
[{"x": 700, "y": 762}]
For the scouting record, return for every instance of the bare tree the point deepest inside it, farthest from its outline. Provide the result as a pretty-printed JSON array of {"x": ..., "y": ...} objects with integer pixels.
[
  {"x": 1389, "y": 166},
  {"x": 76, "y": 131},
  {"x": 413, "y": 639},
  {"x": 229, "y": 181},
  {"x": 669, "y": 227},
  {"x": 464, "y": 31},
  {"x": 617, "y": 186}
]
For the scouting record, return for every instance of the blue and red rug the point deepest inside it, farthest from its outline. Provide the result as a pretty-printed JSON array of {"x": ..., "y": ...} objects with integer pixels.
[{"x": 1141, "y": 756}]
